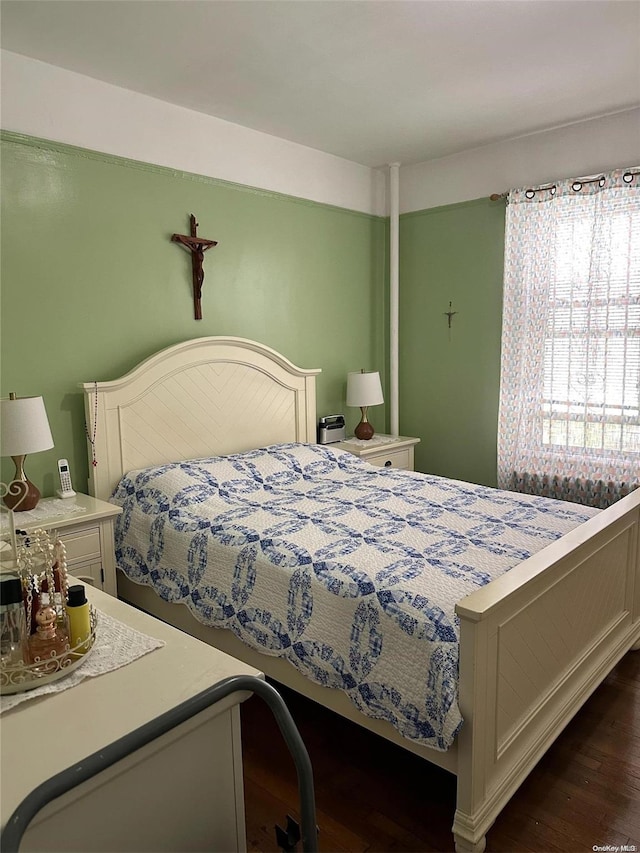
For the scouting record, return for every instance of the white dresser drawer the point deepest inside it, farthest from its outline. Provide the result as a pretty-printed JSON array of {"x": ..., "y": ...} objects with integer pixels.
[
  {"x": 81, "y": 545},
  {"x": 393, "y": 459}
]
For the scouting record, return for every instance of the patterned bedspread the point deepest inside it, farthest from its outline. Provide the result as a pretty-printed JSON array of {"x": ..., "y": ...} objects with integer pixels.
[{"x": 349, "y": 571}]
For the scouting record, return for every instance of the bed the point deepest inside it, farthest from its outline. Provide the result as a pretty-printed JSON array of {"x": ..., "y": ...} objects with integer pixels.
[{"x": 533, "y": 643}]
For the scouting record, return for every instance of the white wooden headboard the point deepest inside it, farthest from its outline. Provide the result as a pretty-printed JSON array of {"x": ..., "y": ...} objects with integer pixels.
[{"x": 204, "y": 397}]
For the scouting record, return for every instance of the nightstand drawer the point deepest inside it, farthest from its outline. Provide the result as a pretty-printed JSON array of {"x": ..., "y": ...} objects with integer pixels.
[
  {"x": 81, "y": 545},
  {"x": 396, "y": 459}
]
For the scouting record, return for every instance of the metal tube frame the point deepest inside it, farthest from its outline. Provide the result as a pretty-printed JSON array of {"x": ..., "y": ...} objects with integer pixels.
[{"x": 92, "y": 765}]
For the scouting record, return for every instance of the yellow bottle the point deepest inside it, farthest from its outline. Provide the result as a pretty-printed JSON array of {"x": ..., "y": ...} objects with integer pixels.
[{"x": 79, "y": 621}]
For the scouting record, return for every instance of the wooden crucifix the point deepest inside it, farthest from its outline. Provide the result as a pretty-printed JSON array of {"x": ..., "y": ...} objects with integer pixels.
[
  {"x": 449, "y": 315},
  {"x": 197, "y": 246}
]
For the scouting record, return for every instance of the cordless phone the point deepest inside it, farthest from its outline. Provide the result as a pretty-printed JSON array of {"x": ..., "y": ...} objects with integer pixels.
[{"x": 66, "y": 489}]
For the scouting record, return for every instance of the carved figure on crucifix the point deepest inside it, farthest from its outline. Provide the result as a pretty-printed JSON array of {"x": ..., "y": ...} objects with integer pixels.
[{"x": 197, "y": 246}]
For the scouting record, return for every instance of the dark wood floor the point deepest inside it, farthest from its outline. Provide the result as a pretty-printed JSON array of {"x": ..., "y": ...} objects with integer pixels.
[{"x": 373, "y": 796}]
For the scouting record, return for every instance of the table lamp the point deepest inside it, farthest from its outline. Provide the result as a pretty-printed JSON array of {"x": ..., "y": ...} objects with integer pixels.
[
  {"x": 24, "y": 428},
  {"x": 364, "y": 390}
]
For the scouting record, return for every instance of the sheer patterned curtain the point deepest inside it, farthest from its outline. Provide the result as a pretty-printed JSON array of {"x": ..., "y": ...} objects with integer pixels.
[{"x": 569, "y": 421}]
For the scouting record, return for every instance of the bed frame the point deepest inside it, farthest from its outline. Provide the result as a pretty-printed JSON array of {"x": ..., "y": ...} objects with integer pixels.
[{"x": 534, "y": 644}]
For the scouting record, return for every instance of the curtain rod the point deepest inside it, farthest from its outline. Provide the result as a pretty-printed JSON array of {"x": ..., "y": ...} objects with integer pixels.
[{"x": 576, "y": 186}]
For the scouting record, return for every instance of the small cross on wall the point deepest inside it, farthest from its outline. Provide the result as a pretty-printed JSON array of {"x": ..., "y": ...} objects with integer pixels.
[{"x": 449, "y": 314}]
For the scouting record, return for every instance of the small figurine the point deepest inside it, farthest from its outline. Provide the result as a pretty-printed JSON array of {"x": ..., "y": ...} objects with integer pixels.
[{"x": 47, "y": 642}]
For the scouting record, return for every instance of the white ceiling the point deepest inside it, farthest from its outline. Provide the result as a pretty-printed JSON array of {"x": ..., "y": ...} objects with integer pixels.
[{"x": 374, "y": 81}]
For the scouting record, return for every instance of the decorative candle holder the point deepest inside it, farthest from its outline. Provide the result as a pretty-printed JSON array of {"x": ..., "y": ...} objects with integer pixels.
[
  {"x": 20, "y": 677},
  {"x": 41, "y": 566}
]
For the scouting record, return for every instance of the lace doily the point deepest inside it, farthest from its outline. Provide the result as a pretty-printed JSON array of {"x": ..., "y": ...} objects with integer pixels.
[
  {"x": 44, "y": 512},
  {"x": 116, "y": 645},
  {"x": 372, "y": 442}
]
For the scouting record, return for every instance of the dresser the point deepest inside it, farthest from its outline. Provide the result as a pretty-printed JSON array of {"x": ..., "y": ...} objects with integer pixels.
[
  {"x": 386, "y": 451},
  {"x": 85, "y": 526},
  {"x": 182, "y": 792}
]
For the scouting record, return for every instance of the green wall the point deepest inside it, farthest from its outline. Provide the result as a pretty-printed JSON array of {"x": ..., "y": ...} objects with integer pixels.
[
  {"x": 91, "y": 283},
  {"x": 449, "y": 380}
]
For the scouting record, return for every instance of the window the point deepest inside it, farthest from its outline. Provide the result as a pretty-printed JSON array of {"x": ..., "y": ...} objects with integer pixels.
[{"x": 569, "y": 423}]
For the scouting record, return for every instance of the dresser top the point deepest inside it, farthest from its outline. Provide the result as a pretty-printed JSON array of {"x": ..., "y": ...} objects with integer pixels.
[{"x": 44, "y": 736}]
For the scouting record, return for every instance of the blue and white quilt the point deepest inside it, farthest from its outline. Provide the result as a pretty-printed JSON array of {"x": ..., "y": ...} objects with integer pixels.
[{"x": 348, "y": 571}]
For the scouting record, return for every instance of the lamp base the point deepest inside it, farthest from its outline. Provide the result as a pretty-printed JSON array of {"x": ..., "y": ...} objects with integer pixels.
[
  {"x": 364, "y": 431},
  {"x": 22, "y": 495}
]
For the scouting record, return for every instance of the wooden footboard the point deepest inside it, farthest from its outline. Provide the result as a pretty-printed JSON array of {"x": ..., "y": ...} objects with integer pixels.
[{"x": 534, "y": 645}]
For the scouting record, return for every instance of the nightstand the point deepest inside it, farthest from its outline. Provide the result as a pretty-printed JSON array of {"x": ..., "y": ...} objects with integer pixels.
[
  {"x": 386, "y": 451},
  {"x": 85, "y": 526}
]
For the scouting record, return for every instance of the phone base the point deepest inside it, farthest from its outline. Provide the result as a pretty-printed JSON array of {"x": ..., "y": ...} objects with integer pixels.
[{"x": 68, "y": 494}]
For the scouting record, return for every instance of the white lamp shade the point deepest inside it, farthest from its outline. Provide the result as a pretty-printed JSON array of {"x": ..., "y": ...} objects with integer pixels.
[
  {"x": 364, "y": 389},
  {"x": 24, "y": 426}
]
